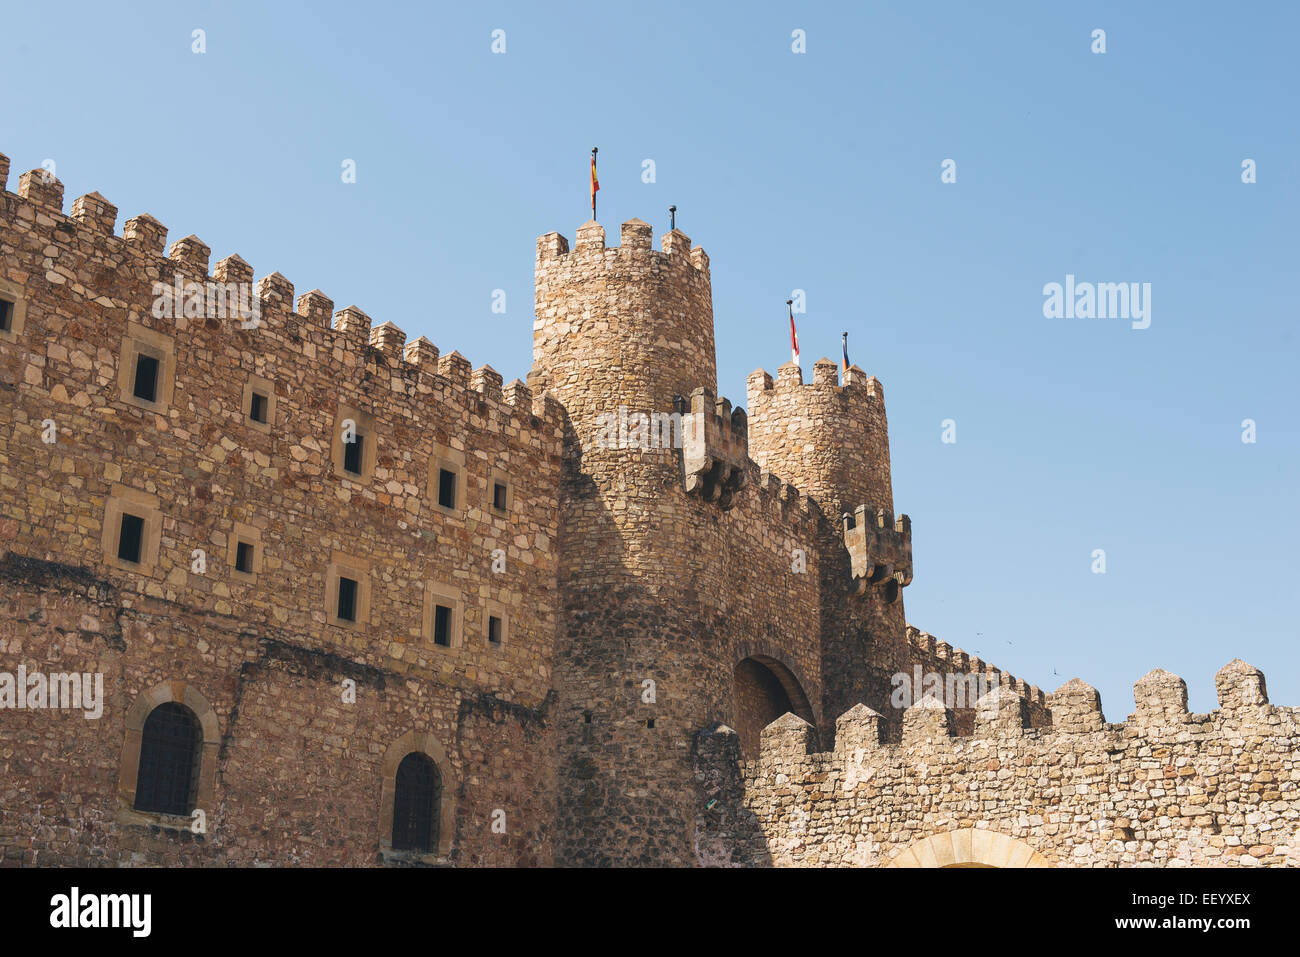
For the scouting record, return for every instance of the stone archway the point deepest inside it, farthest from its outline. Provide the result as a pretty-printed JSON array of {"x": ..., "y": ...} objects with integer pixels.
[
  {"x": 764, "y": 689},
  {"x": 969, "y": 847}
]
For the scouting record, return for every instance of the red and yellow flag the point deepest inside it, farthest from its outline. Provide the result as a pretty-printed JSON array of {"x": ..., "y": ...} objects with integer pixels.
[
  {"x": 595, "y": 184},
  {"x": 794, "y": 336}
]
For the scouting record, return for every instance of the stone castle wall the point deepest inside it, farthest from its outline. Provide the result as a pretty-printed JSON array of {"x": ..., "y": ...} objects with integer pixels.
[
  {"x": 940, "y": 658},
  {"x": 749, "y": 573},
  {"x": 299, "y": 770},
  {"x": 1165, "y": 788}
]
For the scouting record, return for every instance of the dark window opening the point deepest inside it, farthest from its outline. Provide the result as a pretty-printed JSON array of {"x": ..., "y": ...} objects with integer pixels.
[
  {"x": 417, "y": 794},
  {"x": 6, "y": 315},
  {"x": 499, "y": 496},
  {"x": 146, "y": 377},
  {"x": 130, "y": 540},
  {"x": 494, "y": 629},
  {"x": 446, "y": 488},
  {"x": 244, "y": 558},
  {"x": 442, "y": 626},
  {"x": 257, "y": 410},
  {"x": 586, "y": 717},
  {"x": 347, "y": 599},
  {"x": 650, "y": 722},
  {"x": 170, "y": 750},
  {"x": 352, "y": 454}
]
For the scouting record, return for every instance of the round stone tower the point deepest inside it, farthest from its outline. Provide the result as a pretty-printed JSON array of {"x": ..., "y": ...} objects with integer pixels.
[
  {"x": 832, "y": 441},
  {"x": 622, "y": 337}
]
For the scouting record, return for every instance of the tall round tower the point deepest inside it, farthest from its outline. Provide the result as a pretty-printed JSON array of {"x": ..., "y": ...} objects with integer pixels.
[
  {"x": 620, "y": 334},
  {"x": 832, "y": 441},
  {"x": 622, "y": 326}
]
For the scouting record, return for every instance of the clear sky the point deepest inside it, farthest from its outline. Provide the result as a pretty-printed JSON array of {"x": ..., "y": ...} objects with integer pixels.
[{"x": 817, "y": 171}]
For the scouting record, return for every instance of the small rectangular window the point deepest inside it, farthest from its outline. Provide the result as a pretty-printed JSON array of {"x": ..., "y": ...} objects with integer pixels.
[
  {"x": 446, "y": 488},
  {"x": 499, "y": 496},
  {"x": 257, "y": 410},
  {"x": 6, "y": 315},
  {"x": 244, "y": 558},
  {"x": 347, "y": 599},
  {"x": 146, "y": 378},
  {"x": 494, "y": 629},
  {"x": 131, "y": 539},
  {"x": 442, "y": 626},
  {"x": 352, "y": 454}
]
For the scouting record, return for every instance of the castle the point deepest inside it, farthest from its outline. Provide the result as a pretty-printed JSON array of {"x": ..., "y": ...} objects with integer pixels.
[{"x": 350, "y": 601}]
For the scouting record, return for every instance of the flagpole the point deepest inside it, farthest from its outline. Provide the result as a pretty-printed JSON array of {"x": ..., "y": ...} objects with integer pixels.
[{"x": 794, "y": 336}]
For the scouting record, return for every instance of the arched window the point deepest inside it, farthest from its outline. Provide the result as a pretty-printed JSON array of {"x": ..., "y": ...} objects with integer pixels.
[
  {"x": 416, "y": 797},
  {"x": 170, "y": 750}
]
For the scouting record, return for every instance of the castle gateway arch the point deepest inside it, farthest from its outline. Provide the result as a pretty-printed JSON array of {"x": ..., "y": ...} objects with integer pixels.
[{"x": 763, "y": 689}]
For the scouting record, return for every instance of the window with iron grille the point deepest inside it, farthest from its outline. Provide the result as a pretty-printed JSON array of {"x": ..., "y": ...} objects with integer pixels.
[
  {"x": 417, "y": 795},
  {"x": 170, "y": 750}
]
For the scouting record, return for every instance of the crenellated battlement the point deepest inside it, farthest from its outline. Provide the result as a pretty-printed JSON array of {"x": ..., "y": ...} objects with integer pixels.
[
  {"x": 880, "y": 550},
  {"x": 1164, "y": 787},
  {"x": 1002, "y": 713},
  {"x": 715, "y": 447},
  {"x": 857, "y": 384},
  {"x": 635, "y": 246},
  {"x": 939, "y": 656},
  {"x": 306, "y": 331},
  {"x": 786, "y": 507}
]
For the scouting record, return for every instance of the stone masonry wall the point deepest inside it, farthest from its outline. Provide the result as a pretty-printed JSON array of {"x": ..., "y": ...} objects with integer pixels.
[
  {"x": 659, "y": 584},
  {"x": 940, "y": 658},
  {"x": 1165, "y": 788},
  {"x": 263, "y": 649},
  {"x": 832, "y": 441}
]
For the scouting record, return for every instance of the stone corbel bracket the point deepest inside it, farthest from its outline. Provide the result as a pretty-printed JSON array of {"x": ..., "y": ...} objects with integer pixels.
[
  {"x": 880, "y": 549},
  {"x": 715, "y": 447}
]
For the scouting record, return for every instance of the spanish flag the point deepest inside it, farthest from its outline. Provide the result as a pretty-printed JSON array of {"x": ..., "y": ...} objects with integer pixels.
[
  {"x": 595, "y": 183},
  {"x": 846, "y": 352}
]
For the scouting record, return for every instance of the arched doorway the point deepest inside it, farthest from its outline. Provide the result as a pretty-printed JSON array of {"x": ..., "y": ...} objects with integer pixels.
[
  {"x": 969, "y": 847},
  {"x": 764, "y": 689}
]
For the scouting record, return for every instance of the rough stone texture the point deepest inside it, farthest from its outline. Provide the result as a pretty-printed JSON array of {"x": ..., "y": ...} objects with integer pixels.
[
  {"x": 750, "y": 571},
  {"x": 1165, "y": 788},
  {"x": 299, "y": 770}
]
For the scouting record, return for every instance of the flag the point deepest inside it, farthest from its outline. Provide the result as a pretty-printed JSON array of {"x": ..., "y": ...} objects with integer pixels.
[
  {"x": 794, "y": 336},
  {"x": 846, "y": 352},
  {"x": 595, "y": 183}
]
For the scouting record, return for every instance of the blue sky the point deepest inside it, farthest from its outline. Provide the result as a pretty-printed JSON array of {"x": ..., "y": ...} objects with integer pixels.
[{"x": 818, "y": 171}]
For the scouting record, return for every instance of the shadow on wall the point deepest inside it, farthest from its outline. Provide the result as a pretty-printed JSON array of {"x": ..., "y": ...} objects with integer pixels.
[{"x": 726, "y": 831}]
